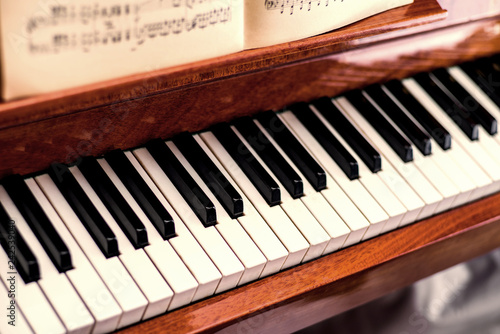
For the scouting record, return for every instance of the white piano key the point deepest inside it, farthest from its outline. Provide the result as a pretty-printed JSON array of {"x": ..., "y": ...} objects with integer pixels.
[
  {"x": 373, "y": 184},
  {"x": 87, "y": 283},
  {"x": 317, "y": 205},
  {"x": 480, "y": 96},
  {"x": 301, "y": 216},
  {"x": 408, "y": 171},
  {"x": 375, "y": 215},
  {"x": 490, "y": 145},
  {"x": 475, "y": 91},
  {"x": 431, "y": 171},
  {"x": 208, "y": 237},
  {"x": 36, "y": 308},
  {"x": 491, "y": 107},
  {"x": 188, "y": 249},
  {"x": 460, "y": 176},
  {"x": 275, "y": 218},
  {"x": 474, "y": 149},
  {"x": 152, "y": 285},
  {"x": 15, "y": 321},
  {"x": 484, "y": 184},
  {"x": 405, "y": 194},
  {"x": 298, "y": 213},
  {"x": 232, "y": 232},
  {"x": 56, "y": 286},
  {"x": 329, "y": 219},
  {"x": 454, "y": 172},
  {"x": 161, "y": 253},
  {"x": 270, "y": 246},
  {"x": 65, "y": 300},
  {"x": 349, "y": 213},
  {"x": 438, "y": 178},
  {"x": 113, "y": 274},
  {"x": 344, "y": 207},
  {"x": 30, "y": 298}
]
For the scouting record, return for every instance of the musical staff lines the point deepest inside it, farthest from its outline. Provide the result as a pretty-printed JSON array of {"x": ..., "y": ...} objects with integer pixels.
[
  {"x": 306, "y": 5},
  {"x": 86, "y": 26}
]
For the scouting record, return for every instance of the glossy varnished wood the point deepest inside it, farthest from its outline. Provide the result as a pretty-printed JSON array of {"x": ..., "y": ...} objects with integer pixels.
[
  {"x": 309, "y": 293},
  {"x": 31, "y": 146},
  {"x": 158, "y": 81},
  {"x": 127, "y": 112}
]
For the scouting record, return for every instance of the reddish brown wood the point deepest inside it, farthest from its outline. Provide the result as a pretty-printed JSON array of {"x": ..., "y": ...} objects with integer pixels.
[
  {"x": 127, "y": 112},
  {"x": 163, "y": 80},
  {"x": 314, "y": 291},
  {"x": 27, "y": 148}
]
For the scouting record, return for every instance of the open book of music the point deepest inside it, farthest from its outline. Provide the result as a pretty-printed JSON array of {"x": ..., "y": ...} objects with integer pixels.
[{"x": 47, "y": 46}]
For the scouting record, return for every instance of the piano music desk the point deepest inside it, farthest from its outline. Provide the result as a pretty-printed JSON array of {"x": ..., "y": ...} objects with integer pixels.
[{"x": 127, "y": 112}]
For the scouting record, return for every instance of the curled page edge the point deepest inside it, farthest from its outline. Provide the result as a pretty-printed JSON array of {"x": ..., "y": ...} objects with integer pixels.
[{"x": 270, "y": 22}]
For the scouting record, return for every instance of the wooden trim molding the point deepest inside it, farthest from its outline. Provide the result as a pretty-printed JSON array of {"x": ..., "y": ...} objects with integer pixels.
[
  {"x": 315, "y": 291},
  {"x": 32, "y": 146},
  {"x": 164, "y": 80},
  {"x": 127, "y": 112}
]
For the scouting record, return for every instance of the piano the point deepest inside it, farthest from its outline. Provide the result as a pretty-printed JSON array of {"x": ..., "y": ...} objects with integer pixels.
[{"x": 264, "y": 261}]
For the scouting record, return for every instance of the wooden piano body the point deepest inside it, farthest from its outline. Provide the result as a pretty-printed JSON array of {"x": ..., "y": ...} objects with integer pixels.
[{"x": 127, "y": 112}]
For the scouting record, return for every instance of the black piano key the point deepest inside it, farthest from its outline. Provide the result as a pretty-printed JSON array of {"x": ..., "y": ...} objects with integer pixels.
[
  {"x": 210, "y": 174},
  {"x": 493, "y": 65},
  {"x": 38, "y": 221},
  {"x": 423, "y": 117},
  {"x": 21, "y": 258},
  {"x": 187, "y": 187},
  {"x": 485, "y": 73},
  {"x": 84, "y": 209},
  {"x": 370, "y": 156},
  {"x": 418, "y": 137},
  {"x": 457, "y": 113},
  {"x": 461, "y": 96},
  {"x": 252, "y": 168},
  {"x": 271, "y": 157},
  {"x": 392, "y": 136},
  {"x": 122, "y": 213},
  {"x": 142, "y": 194},
  {"x": 326, "y": 139},
  {"x": 312, "y": 171}
]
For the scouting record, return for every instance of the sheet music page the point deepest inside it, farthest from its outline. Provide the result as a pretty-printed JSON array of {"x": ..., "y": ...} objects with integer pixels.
[
  {"x": 49, "y": 45},
  {"x": 270, "y": 22}
]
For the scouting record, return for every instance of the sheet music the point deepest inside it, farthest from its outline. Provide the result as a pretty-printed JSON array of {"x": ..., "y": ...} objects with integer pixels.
[
  {"x": 270, "y": 22},
  {"x": 49, "y": 45},
  {"x": 289, "y": 5},
  {"x": 79, "y": 41},
  {"x": 90, "y": 26}
]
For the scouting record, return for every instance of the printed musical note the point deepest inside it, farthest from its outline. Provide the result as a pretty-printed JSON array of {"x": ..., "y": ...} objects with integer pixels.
[
  {"x": 89, "y": 26},
  {"x": 291, "y": 4}
]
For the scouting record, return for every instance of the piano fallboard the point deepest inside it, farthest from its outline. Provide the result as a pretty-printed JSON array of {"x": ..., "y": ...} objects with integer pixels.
[{"x": 126, "y": 113}]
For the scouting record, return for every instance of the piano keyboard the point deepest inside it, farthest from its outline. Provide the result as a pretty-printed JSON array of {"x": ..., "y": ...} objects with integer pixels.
[{"x": 125, "y": 237}]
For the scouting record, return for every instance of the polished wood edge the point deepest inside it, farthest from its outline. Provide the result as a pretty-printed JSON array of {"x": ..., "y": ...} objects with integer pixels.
[
  {"x": 314, "y": 291},
  {"x": 159, "y": 81},
  {"x": 32, "y": 147}
]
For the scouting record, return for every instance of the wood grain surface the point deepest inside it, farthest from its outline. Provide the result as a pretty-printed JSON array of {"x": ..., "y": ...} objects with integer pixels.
[
  {"x": 159, "y": 81},
  {"x": 127, "y": 112},
  {"x": 315, "y": 291},
  {"x": 29, "y": 147}
]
